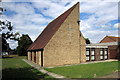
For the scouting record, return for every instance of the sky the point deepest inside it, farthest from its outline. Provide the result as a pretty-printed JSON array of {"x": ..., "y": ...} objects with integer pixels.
[{"x": 98, "y": 18}]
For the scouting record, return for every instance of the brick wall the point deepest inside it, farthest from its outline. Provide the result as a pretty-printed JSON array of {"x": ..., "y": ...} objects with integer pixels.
[
  {"x": 64, "y": 46},
  {"x": 82, "y": 49},
  {"x": 113, "y": 52}
]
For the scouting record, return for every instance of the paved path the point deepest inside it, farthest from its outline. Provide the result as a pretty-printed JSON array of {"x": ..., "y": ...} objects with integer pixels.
[
  {"x": 113, "y": 75},
  {"x": 42, "y": 70}
]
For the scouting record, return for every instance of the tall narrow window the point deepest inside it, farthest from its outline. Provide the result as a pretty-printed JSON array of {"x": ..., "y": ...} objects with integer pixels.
[
  {"x": 101, "y": 53},
  {"x": 106, "y": 53},
  {"x": 88, "y": 54},
  {"x": 92, "y": 54}
]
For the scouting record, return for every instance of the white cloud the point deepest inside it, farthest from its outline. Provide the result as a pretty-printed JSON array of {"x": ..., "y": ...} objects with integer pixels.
[
  {"x": 84, "y": 26},
  {"x": 12, "y": 43},
  {"x": 27, "y": 21},
  {"x": 103, "y": 10},
  {"x": 60, "y": 0},
  {"x": 50, "y": 9},
  {"x": 96, "y": 35},
  {"x": 20, "y": 8},
  {"x": 97, "y": 28},
  {"x": 117, "y": 25}
]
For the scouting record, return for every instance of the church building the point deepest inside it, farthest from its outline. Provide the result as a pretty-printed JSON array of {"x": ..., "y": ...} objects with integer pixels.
[{"x": 61, "y": 42}]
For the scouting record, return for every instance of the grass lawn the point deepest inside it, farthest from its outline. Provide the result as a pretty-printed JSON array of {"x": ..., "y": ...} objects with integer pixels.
[
  {"x": 86, "y": 70},
  {"x": 14, "y": 67}
]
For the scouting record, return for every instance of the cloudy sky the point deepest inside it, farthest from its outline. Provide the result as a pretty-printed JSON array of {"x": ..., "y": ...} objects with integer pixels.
[{"x": 98, "y": 17}]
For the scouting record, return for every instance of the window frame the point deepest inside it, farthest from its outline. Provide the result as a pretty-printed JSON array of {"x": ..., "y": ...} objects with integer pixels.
[
  {"x": 92, "y": 49},
  {"x": 102, "y": 55},
  {"x": 88, "y": 49},
  {"x": 106, "y": 49}
]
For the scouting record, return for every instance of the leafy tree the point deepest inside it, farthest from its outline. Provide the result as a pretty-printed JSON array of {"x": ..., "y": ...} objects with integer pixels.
[
  {"x": 5, "y": 35},
  {"x": 5, "y": 45},
  {"x": 87, "y": 41},
  {"x": 7, "y": 32},
  {"x": 23, "y": 43}
]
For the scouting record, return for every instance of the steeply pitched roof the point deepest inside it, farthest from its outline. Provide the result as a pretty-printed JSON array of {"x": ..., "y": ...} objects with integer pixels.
[
  {"x": 110, "y": 39},
  {"x": 50, "y": 30}
]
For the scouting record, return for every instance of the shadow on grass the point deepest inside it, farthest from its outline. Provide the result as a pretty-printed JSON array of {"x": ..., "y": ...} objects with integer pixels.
[
  {"x": 23, "y": 73},
  {"x": 9, "y": 56},
  {"x": 4, "y": 57}
]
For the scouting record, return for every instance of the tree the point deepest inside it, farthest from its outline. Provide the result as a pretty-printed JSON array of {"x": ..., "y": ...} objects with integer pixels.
[
  {"x": 5, "y": 45},
  {"x": 7, "y": 32},
  {"x": 23, "y": 43},
  {"x": 87, "y": 41}
]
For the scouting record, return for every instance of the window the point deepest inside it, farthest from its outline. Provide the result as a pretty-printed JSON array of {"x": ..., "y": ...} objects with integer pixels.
[
  {"x": 88, "y": 54},
  {"x": 93, "y": 54},
  {"x": 92, "y": 57},
  {"x": 106, "y": 53},
  {"x": 101, "y": 57},
  {"x": 101, "y": 53},
  {"x": 105, "y": 57},
  {"x": 87, "y": 58},
  {"x": 88, "y": 49}
]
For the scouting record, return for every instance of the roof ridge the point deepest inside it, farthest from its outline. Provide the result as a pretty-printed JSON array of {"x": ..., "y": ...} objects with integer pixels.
[{"x": 113, "y": 36}]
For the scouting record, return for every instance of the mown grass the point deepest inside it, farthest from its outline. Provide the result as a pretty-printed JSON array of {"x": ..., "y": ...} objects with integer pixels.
[
  {"x": 13, "y": 67},
  {"x": 86, "y": 70}
]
